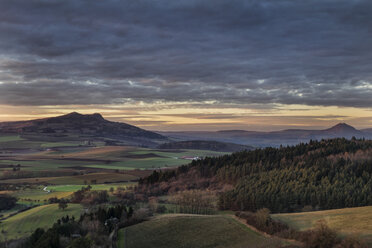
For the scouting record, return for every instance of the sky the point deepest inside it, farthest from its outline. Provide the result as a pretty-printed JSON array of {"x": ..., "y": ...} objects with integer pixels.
[{"x": 189, "y": 64}]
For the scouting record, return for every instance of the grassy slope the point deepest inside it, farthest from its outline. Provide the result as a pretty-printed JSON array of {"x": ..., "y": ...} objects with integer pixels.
[
  {"x": 75, "y": 180},
  {"x": 23, "y": 224},
  {"x": 73, "y": 188},
  {"x": 38, "y": 196},
  {"x": 347, "y": 221},
  {"x": 192, "y": 231},
  {"x": 8, "y": 138}
]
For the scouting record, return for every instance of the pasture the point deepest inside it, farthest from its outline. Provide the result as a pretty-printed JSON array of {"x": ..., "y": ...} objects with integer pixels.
[
  {"x": 73, "y": 188},
  {"x": 97, "y": 178},
  {"x": 120, "y": 157},
  {"x": 23, "y": 224},
  {"x": 192, "y": 231},
  {"x": 40, "y": 194},
  {"x": 355, "y": 222},
  {"x": 9, "y": 138},
  {"x": 12, "y": 141},
  {"x": 81, "y": 165}
]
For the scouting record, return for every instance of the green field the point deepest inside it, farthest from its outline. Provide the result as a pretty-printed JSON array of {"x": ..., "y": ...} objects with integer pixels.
[
  {"x": 15, "y": 209},
  {"x": 192, "y": 231},
  {"x": 59, "y": 144},
  {"x": 38, "y": 195},
  {"x": 122, "y": 158},
  {"x": 354, "y": 222},
  {"x": 65, "y": 164},
  {"x": 10, "y": 138},
  {"x": 12, "y": 141},
  {"x": 73, "y": 188},
  {"x": 23, "y": 224},
  {"x": 102, "y": 177}
]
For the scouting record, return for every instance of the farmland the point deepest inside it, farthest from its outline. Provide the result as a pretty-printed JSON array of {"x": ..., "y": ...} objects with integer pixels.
[
  {"x": 72, "y": 188},
  {"x": 23, "y": 224},
  {"x": 100, "y": 177},
  {"x": 43, "y": 172},
  {"x": 355, "y": 222},
  {"x": 192, "y": 231},
  {"x": 10, "y": 138},
  {"x": 40, "y": 194},
  {"x": 35, "y": 160},
  {"x": 71, "y": 163},
  {"x": 40, "y": 170}
]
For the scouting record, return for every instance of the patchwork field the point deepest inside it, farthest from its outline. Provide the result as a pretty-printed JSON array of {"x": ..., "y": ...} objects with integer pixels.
[
  {"x": 192, "y": 231},
  {"x": 23, "y": 224},
  {"x": 43, "y": 169},
  {"x": 67, "y": 162},
  {"x": 348, "y": 221},
  {"x": 37, "y": 170}
]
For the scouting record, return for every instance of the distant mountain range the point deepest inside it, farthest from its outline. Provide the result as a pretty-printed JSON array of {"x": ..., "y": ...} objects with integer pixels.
[
  {"x": 276, "y": 138},
  {"x": 94, "y": 127},
  {"x": 75, "y": 126}
]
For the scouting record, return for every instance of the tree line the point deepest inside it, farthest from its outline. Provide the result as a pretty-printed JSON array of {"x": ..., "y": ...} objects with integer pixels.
[{"x": 326, "y": 174}]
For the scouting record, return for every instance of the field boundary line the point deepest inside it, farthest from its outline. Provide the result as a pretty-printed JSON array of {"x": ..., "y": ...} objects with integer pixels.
[{"x": 242, "y": 221}]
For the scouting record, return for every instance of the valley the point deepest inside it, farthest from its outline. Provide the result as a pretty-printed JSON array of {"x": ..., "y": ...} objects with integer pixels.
[
  {"x": 185, "y": 124},
  {"x": 165, "y": 191}
]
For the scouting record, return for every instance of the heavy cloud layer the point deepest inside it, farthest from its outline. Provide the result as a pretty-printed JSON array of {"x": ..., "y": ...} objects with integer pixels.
[{"x": 315, "y": 52}]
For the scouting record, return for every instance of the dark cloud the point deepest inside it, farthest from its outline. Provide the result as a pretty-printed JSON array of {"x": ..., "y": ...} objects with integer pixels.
[{"x": 315, "y": 52}]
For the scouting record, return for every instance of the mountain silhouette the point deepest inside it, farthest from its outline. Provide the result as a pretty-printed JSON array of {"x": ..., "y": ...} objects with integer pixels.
[{"x": 83, "y": 127}]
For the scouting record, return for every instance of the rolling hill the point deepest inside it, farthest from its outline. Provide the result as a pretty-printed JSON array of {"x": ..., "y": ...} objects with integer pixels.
[
  {"x": 319, "y": 175},
  {"x": 193, "y": 231},
  {"x": 276, "y": 138},
  {"x": 23, "y": 224},
  {"x": 75, "y": 126},
  {"x": 346, "y": 221}
]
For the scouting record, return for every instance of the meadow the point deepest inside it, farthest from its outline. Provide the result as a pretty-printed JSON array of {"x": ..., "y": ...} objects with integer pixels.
[
  {"x": 23, "y": 224},
  {"x": 9, "y": 138},
  {"x": 101, "y": 177},
  {"x": 38, "y": 195},
  {"x": 85, "y": 158},
  {"x": 73, "y": 188},
  {"x": 12, "y": 141},
  {"x": 192, "y": 231},
  {"x": 355, "y": 222}
]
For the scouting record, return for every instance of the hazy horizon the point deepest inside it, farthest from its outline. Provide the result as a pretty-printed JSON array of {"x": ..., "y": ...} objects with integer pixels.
[
  {"x": 189, "y": 65},
  {"x": 198, "y": 127}
]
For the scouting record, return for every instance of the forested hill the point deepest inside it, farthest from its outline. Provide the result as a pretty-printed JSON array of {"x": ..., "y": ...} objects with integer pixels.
[{"x": 325, "y": 174}]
